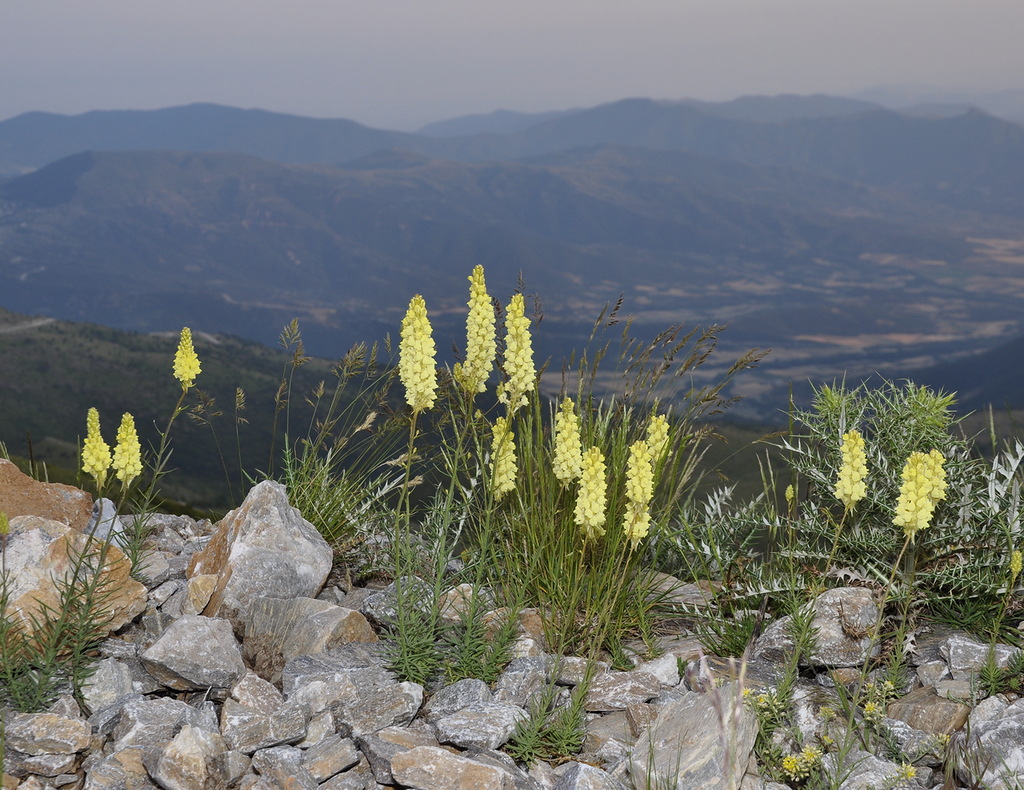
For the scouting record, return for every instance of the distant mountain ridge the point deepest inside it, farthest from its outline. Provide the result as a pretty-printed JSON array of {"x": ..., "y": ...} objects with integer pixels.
[{"x": 845, "y": 236}]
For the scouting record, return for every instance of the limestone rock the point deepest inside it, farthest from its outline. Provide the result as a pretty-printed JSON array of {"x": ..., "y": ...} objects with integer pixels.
[
  {"x": 480, "y": 725},
  {"x": 845, "y": 618},
  {"x": 431, "y": 768},
  {"x": 330, "y": 756},
  {"x": 282, "y": 766},
  {"x": 40, "y": 550},
  {"x": 997, "y": 747},
  {"x": 580, "y": 776},
  {"x": 380, "y": 748},
  {"x": 279, "y": 629},
  {"x": 195, "y": 653},
  {"x": 248, "y": 729},
  {"x": 865, "y": 771},
  {"x": 455, "y": 697},
  {"x": 46, "y": 733},
  {"x": 619, "y": 690},
  {"x": 263, "y": 548},
  {"x": 966, "y": 657},
  {"x": 925, "y": 710},
  {"x": 20, "y": 495},
  {"x": 701, "y": 740},
  {"x": 193, "y": 760}
]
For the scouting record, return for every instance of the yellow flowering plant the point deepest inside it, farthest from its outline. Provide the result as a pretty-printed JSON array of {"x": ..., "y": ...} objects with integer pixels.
[
  {"x": 186, "y": 363},
  {"x": 521, "y": 377},
  {"x": 481, "y": 342},
  {"x": 416, "y": 363},
  {"x": 95, "y": 452},
  {"x": 567, "y": 462},
  {"x": 503, "y": 459},
  {"x": 127, "y": 459},
  {"x": 851, "y": 485},
  {"x": 592, "y": 498}
]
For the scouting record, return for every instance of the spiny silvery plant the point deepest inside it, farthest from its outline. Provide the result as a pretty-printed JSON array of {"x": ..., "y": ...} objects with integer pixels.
[
  {"x": 559, "y": 501},
  {"x": 880, "y": 487}
]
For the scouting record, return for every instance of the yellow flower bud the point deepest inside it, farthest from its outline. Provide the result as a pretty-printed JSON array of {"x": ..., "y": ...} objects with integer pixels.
[
  {"x": 850, "y": 486},
  {"x": 657, "y": 437},
  {"x": 95, "y": 451},
  {"x": 568, "y": 458},
  {"x": 639, "y": 492},
  {"x": 186, "y": 363},
  {"x": 521, "y": 376},
  {"x": 416, "y": 366},
  {"x": 503, "y": 458},
  {"x": 127, "y": 454},
  {"x": 481, "y": 345},
  {"x": 591, "y": 499}
]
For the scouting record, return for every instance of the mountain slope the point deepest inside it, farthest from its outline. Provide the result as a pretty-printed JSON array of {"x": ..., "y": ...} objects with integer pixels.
[
  {"x": 35, "y": 139},
  {"x": 833, "y": 276}
]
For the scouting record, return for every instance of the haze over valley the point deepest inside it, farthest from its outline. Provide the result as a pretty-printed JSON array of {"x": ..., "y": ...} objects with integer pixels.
[{"x": 847, "y": 237}]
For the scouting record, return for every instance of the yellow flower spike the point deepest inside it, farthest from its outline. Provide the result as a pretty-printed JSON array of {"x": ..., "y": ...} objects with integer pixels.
[
  {"x": 1016, "y": 564},
  {"x": 416, "y": 366},
  {"x": 850, "y": 485},
  {"x": 568, "y": 458},
  {"x": 591, "y": 499},
  {"x": 522, "y": 378},
  {"x": 657, "y": 437},
  {"x": 639, "y": 491},
  {"x": 186, "y": 363},
  {"x": 503, "y": 459},
  {"x": 127, "y": 454},
  {"x": 481, "y": 345},
  {"x": 5, "y": 524},
  {"x": 924, "y": 484},
  {"x": 95, "y": 451}
]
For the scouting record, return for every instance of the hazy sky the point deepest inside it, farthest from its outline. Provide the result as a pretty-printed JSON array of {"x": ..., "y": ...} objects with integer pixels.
[{"x": 402, "y": 63}]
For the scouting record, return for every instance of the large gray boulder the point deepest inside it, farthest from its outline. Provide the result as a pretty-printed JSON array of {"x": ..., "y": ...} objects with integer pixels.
[{"x": 265, "y": 548}]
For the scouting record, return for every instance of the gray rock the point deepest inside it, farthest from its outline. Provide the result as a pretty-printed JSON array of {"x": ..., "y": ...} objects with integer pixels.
[
  {"x": 570, "y": 670},
  {"x": 966, "y": 657},
  {"x": 256, "y": 693},
  {"x": 522, "y": 680},
  {"x": 282, "y": 766},
  {"x": 931, "y": 672},
  {"x": 456, "y": 697},
  {"x": 865, "y": 771},
  {"x": 996, "y": 747},
  {"x": 279, "y": 629},
  {"x": 580, "y": 776},
  {"x": 480, "y": 725},
  {"x": 151, "y": 723},
  {"x": 381, "y": 607},
  {"x": 845, "y": 618},
  {"x": 358, "y": 778},
  {"x": 619, "y": 690},
  {"x": 248, "y": 729},
  {"x": 195, "y": 653},
  {"x": 925, "y": 710},
  {"x": 193, "y": 760},
  {"x": 263, "y": 548},
  {"x": 329, "y": 757},
  {"x": 665, "y": 668},
  {"x": 380, "y": 748},
  {"x": 701, "y": 740},
  {"x": 46, "y": 733},
  {"x": 433, "y": 768}
]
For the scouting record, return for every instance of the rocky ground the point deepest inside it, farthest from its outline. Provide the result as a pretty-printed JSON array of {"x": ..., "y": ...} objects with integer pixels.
[{"x": 237, "y": 664}]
